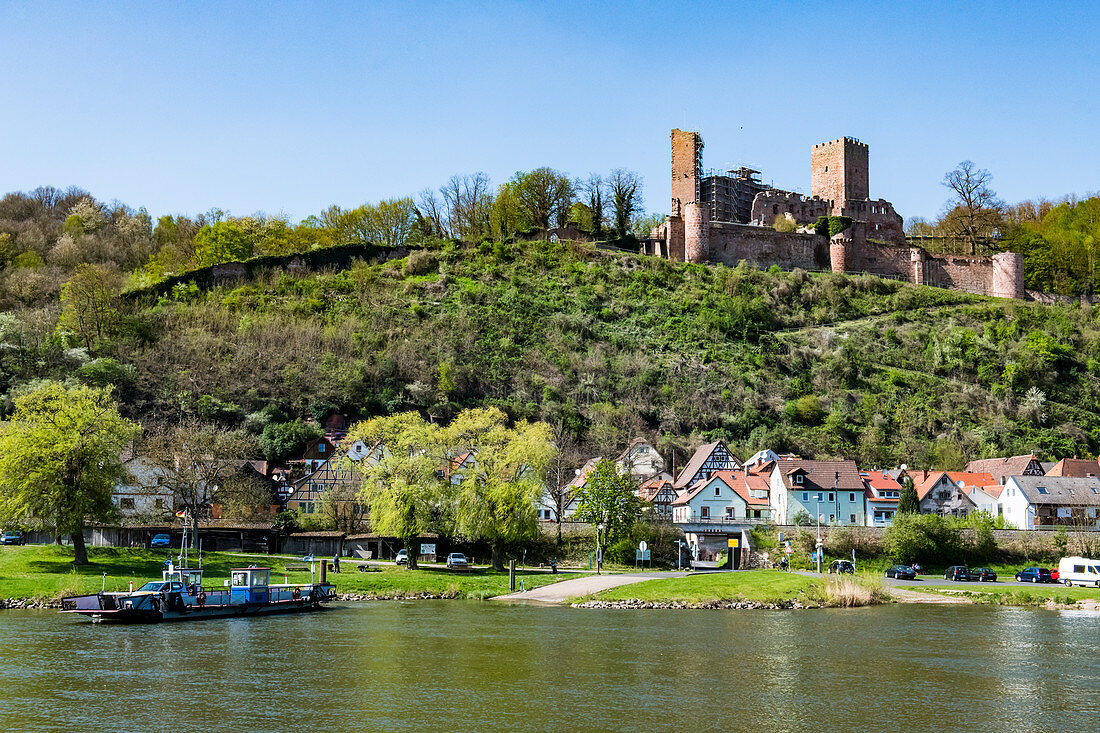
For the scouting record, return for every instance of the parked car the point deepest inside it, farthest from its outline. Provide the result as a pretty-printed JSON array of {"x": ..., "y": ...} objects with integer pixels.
[
  {"x": 841, "y": 566},
  {"x": 1055, "y": 575},
  {"x": 457, "y": 560},
  {"x": 402, "y": 558},
  {"x": 160, "y": 540},
  {"x": 1079, "y": 571},
  {"x": 901, "y": 572},
  {"x": 1034, "y": 575},
  {"x": 13, "y": 537},
  {"x": 957, "y": 572},
  {"x": 983, "y": 575}
]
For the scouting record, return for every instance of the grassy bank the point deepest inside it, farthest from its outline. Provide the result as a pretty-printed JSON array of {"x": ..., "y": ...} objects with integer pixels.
[
  {"x": 757, "y": 586},
  {"x": 1040, "y": 595},
  {"x": 46, "y": 572}
]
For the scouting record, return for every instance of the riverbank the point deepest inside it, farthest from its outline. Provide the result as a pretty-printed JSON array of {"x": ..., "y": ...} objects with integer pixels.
[{"x": 38, "y": 576}]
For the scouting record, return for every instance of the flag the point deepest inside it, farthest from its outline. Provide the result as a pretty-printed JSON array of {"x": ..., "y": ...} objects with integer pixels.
[{"x": 181, "y": 513}]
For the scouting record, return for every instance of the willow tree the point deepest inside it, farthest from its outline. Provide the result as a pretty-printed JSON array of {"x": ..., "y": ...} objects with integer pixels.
[
  {"x": 501, "y": 484},
  {"x": 60, "y": 456},
  {"x": 404, "y": 496}
]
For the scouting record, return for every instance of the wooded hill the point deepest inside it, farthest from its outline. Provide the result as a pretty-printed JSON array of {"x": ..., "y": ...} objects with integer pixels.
[{"x": 605, "y": 347}]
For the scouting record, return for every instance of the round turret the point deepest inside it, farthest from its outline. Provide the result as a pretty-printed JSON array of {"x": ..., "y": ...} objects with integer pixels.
[
  {"x": 1008, "y": 275},
  {"x": 696, "y": 233},
  {"x": 838, "y": 253}
]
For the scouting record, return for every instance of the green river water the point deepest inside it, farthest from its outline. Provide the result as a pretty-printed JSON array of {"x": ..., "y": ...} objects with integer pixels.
[{"x": 479, "y": 666}]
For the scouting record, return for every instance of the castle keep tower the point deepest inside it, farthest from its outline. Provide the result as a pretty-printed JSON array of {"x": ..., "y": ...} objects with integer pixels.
[
  {"x": 839, "y": 172},
  {"x": 687, "y": 172}
]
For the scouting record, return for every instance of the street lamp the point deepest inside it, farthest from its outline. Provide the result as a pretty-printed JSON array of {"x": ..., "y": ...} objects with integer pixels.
[
  {"x": 679, "y": 552},
  {"x": 599, "y": 548},
  {"x": 817, "y": 550}
]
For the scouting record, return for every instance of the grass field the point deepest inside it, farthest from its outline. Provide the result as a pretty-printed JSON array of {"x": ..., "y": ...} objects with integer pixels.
[
  {"x": 47, "y": 572},
  {"x": 1015, "y": 595},
  {"x": 763, "y": 586}
]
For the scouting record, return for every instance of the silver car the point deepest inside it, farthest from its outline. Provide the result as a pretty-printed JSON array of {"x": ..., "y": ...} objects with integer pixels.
[{"x": 457, "y": 560}]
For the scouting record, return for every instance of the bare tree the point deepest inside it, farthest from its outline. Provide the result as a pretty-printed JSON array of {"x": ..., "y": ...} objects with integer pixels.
[
  {"x": 595, "y": 187},
  {"x": 468, "y": 203},
  {"x": 626, "y": 194},
  {"x": 432, "y": 211},
  {"x": 974, "y": 212},
  {"x": 191, "y": 461},
  {"x": 341, "y": 509},
  {"x": 560, "y": 472}
]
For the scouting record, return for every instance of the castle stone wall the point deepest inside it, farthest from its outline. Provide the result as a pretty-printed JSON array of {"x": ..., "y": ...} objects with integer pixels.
[
  {"x": 696, "y": 233},
  {"x": 1008, "y": 275},
  {"x": 968, "y": 274},
  {"x": 687, "y": 168},
  {"x": 763, "y": 247},
  {"x": 768, "y": 206},
  {"x": 881, "y": 260},
  {"x": 839, "y": 171}
]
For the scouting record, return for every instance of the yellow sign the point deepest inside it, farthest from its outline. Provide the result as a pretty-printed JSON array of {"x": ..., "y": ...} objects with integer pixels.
[{"x": 733, "y": 542}]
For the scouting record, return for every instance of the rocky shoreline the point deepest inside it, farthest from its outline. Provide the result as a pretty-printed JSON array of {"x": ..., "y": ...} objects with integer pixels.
[
  {"x": 635, "y": 604},
  {"x": 29, "y": 603}
]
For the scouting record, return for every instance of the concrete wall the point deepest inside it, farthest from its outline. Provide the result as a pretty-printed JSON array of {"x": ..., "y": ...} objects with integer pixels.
[{"x": 764, "y": 247}]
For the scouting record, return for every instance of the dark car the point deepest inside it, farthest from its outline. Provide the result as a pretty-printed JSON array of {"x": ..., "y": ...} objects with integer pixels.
[
  {"x": 1034, "y": 575},
  {"x": 841, "y": 566},
  {"x": 901, "y": 572},
  {"x": 160, "y": 540},
  {"x": 13, "y": 537},
  {"x": 983, "y": 575},
  {"x": 957, "y": 572}
]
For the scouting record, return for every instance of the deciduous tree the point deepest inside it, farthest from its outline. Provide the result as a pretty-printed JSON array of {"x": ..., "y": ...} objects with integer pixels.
[
  {"x": 626, "y": 196},
  {"x": 974, "y": 211},
  {"x": 60, "y": 458},
  {"x": 609, "y": 497}
]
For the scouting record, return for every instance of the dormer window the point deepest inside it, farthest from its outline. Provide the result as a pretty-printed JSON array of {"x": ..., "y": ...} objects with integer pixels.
[
  {"x": 798, "y": 478},
  {"x": 320, "y": 447}
]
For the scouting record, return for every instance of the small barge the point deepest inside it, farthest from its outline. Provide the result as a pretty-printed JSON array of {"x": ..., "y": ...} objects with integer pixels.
[{"x": 181, "y": 596}]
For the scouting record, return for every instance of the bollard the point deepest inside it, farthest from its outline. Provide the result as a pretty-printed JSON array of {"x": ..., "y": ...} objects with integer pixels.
[
  {"x": 324, "y": 571},
  {"x": 512, "y": 576}
]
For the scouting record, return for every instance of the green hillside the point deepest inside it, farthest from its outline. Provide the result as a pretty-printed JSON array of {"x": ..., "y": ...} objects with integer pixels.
[{"x": 609, "y": 346}]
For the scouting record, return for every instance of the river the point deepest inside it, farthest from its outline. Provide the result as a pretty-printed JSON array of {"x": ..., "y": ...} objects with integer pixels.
[{"x": 468, "y": 665}]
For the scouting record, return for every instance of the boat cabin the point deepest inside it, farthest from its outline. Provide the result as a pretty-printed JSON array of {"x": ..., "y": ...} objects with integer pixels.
[
  {"x": 249, "y": 585},
  {"x": 187, "y": 576}
]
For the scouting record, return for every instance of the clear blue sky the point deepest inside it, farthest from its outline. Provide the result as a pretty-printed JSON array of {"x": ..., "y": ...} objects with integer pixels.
[{"x": 271, "y": 107}]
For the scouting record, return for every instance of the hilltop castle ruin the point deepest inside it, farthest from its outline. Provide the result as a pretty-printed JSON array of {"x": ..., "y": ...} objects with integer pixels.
[{"x": 731, "y": 218}]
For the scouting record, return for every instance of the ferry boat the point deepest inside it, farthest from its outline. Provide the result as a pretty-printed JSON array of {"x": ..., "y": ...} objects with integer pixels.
[{"x": 181, "y": 596}]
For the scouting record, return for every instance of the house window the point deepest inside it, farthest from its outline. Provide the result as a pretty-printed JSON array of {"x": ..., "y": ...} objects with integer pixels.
[
  {"x": 126, "y": 503},
  {"x": 851, "y": 519},
  {"x": 320, "y": 447},
  {"x": 1041, "y": 489},
  {"x": 851, "y": 497},
  {"x": 805, "y": 496},
  {"x": 831, "y": 496},
  {"x": 729, "y": 512},
  {"x": 704, "y": 513},
  {"x": 717, "y": 490},
  {"x": 798, "y": 479}
]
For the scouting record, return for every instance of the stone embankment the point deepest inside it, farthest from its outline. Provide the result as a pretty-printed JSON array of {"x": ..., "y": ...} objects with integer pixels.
[
  {"x": 446, "y": 595},
  {"x": 636, "y": 604},
  {"x": 29, "y": 603}
]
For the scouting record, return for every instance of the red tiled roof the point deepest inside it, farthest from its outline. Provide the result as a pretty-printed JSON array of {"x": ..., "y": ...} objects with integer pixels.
[
  {"x": 823, "y": 475},
  {"x": 1000, "y": 467},
  {"x": 968, "y": 479},
  {"x": 1076, "y": 468}
]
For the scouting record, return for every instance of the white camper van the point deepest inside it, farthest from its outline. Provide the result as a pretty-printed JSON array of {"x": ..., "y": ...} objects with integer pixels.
[{"x": 1079, "y": 571}]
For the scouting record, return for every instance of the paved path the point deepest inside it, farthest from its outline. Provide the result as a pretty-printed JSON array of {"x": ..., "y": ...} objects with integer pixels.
[{"x": 566, "y": 589}]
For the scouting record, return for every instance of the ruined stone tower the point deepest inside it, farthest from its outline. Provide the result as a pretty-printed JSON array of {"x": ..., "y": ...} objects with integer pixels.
[
  {"x": 1008, "y": 275},
  {"x": 839, "y": 172},
  {"x": 687, "y": 172}
]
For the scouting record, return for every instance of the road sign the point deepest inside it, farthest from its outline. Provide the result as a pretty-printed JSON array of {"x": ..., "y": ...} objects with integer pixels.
[
  {"x": 641, "y": 555},
  {"x": 788, "y": 549},
  {"x": 643, "y": 546},
  {"x": 733, "y": 542},
  {"x": 427, "y": 549}
]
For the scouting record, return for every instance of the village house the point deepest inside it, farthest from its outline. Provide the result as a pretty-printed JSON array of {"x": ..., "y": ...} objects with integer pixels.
[
  {"x": 882, "y": 492},
  {"x": 1033, "y": 502},
  {"x": 725, "y": 496},
  {"x": 947, "y": 493},
  {"x": 659, "y": 493},
  {"x": 1075, "y": 467},
  {"x": 707, "y": 460},
  {"x": 641, "y": 460},
  {"x": 1002, "y": 468},
  {"x": 832, "y": 489}
]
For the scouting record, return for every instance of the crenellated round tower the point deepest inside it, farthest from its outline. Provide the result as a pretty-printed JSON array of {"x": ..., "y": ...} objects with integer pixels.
[
  {"x": 838, "y": 253},
  {"x": 696, "y": 232},
  {"x": 1008, "y": 275}
]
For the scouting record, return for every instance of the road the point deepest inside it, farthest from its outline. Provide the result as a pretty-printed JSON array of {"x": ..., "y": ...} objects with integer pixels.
[{"x": 566, "y": 589}]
